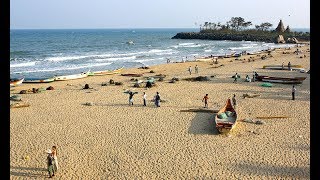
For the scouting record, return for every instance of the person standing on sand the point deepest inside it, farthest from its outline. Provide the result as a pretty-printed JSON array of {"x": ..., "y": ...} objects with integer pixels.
[
  {"x": 282, "y": 65},
  {"x": 144, "y": 99},
  {"x": 293, "y": 92},
  {"x": 235, "y": 78},
  {"x": 196, "y": 69},
  {"x": 190, "y": 70},
  {"x": 157, "y": 99},
  {"x": 50, "y": 163},
  {"x": 234, "y": 102},
  {"x": 55, "y": 158},
  {"x": 131, "y": 98},
  {"x": 205, "y": 100},
  {"x": 289, "y": 66}
]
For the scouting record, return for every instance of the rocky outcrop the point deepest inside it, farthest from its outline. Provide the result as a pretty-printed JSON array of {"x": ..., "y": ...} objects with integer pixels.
[{"x": 280, "y": 39}]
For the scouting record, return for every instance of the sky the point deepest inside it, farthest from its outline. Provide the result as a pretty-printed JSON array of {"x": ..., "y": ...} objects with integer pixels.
[{"x": 91, "y": 14}]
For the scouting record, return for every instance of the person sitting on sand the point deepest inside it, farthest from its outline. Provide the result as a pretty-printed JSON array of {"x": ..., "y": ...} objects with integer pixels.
[
  {"x": 235, "y": 78},
  {"x": 248, "y": 78}
]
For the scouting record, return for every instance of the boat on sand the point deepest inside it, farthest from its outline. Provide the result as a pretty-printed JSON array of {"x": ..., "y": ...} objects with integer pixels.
[
  {"x": 226, "y": 118},
  {"x": 294, "y": 80},
  {"x": 39, "y": 80},
  {"x": 106, "y": 72},
  {"x": 15, "y": 82},
  {"x": 71, "y": 77}
]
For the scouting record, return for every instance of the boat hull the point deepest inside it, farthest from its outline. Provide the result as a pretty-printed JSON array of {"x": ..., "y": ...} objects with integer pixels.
[
  {"x": 108, "y": 72},
  {"x": 295, "y": 80},
  {"x": 16, "y": 82},
  {"x": 71, "y": 77},
  {"x": 226, "y": 125},
  {"x": 49, "y": 80}
]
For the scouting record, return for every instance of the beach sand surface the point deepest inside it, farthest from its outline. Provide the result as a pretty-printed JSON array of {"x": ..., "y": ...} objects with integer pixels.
[{"x": 112, "y": 140}]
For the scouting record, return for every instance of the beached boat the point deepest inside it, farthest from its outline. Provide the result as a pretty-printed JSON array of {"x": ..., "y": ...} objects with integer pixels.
[
  {"x": 106, "y": 72},
  {"x": 37, "y": 80},
  {"x": 72, "y": 76},
  {"x": 226, "y": 118},
  {"x": 15, "y": 82},
  {"x": 132, "y": 75},
  {"x": 294, "y": 80},
  {"x": 285, "y": 67}
]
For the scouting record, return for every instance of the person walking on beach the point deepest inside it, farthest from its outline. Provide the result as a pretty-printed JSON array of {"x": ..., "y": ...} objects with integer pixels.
[
  {"x": 293, "y": 92},
  {"x": 144, "y": 99},
  {"x": 157, "y": 99},
  {"x": 205, "y": 100},
  {"x": 196, "y": 69},
  {"x": 190, "y": 70},
  {"x": 235, "y": 78},
  {"x": 55, "y": 158},
  {"x": 282, "y": 65},
  {"x": 50, "y": 163},
  {"x": 131, "y": 98},
  {"x": 234, "y": 102},
  {"x": 289, "y": 66}
]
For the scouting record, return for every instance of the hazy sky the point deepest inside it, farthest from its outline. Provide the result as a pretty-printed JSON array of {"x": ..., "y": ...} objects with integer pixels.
[{"x": 46, "y": 14}]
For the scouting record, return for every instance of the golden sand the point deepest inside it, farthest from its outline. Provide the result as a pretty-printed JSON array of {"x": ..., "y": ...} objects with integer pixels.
[{"x": 112, "y": 140}]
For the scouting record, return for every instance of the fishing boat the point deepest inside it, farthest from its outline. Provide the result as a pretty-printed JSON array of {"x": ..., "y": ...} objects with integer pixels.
[
  {"x": 106, "y": 72},
  {"x": 39, "y": 80},
  {"x": 294, "y": 80},
  {"x": 132, "y": 75},
  {"x": 285, "y": 67},
  {"x": 72, "y": 76},
  {"x": 15, "y": 82},
  {"x": 226, "y": 118}
]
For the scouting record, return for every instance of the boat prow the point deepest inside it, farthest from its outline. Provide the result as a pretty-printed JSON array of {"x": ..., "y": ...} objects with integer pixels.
[{"x": 226, "y": 118}]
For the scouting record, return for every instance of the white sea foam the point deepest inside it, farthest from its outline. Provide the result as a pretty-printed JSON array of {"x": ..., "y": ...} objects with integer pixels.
[
  {"x": 65, "y": 58},
  {"x": 23, "y": 64}
]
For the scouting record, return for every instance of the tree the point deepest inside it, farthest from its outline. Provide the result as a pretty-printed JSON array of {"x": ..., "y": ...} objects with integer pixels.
[
  {"x": 263, "y": 26},
  {"x": 238, "y": 23},
  {"x": 288, "y": 29}
]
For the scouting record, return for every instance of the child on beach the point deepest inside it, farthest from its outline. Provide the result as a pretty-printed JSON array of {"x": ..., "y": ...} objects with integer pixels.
[
  {"x": 205, "y": 99},
  {"x": 50, "y": 163},
  {"x": 55, "y": 158}
]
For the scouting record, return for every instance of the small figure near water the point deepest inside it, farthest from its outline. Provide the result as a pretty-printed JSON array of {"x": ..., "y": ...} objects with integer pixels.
[
  {"x": 196, "y": 69},
  {"x": 289, "y": 66}
]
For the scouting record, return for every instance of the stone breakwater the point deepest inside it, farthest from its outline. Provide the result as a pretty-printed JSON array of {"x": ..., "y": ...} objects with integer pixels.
[{"x": 234, "y": 37}]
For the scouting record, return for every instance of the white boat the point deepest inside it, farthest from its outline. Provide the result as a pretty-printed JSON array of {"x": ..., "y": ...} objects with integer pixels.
[
  {"x": 37, "y": 80},
  {"x": 106, "y": 72},
  {"x": 72, "y": 76},
  {"x": 16, "y": 82},
  {"x": 285, "y": 67}
]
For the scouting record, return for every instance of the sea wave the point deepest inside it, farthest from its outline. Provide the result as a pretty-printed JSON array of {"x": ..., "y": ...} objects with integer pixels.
[{"x": 23, "y": 64}]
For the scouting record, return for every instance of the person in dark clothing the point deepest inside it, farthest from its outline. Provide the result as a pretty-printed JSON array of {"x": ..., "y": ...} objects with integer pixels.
[
  {"x": 205, "y": 100},
  {"x": 234, "y": 102},
  {"x": 157, "y": 99},
  {"x": 131, "y": 98},
  {"x": 289, "y": 66},
  {"x": 50, "y": 160},
  {"x": 293, "y": 92}
]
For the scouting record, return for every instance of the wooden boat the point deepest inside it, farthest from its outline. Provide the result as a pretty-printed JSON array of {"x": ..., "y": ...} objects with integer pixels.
[
  {"x": 106, "y": 72},
  {"x": 294, "y": 80},
  {"x": 285, "y": 67},
  {"x": 224, "y": 125},
  {"x": 37, "y": 80},
  {"x": 15, "y": 82},
  {"x": 132, "y": 75},
  {"x": 72, "y": 76}
]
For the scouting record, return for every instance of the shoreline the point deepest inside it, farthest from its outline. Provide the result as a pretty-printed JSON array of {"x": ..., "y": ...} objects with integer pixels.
[{"x": 111, "y": 140}]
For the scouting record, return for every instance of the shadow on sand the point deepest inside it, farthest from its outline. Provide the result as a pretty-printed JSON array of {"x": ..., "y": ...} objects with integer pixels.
[
  {"x": 28, "y": 172},
  {"x": 203, "y": 123},
  {"x": 274, "y": 170}
]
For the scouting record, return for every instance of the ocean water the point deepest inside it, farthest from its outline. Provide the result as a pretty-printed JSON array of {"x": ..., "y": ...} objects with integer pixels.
[{"x": 45, "y": 53}]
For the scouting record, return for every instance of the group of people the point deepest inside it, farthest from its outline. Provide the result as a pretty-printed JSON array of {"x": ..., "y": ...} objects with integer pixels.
[
  {"x": 156, "y": 98},
  {"x": 196, "y": 69},
  {"x": 289, "y": 66},
  {"x": 52, "y": 161}
]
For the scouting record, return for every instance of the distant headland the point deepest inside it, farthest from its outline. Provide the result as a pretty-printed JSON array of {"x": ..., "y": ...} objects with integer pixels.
[{"x": 237, "y": 29}]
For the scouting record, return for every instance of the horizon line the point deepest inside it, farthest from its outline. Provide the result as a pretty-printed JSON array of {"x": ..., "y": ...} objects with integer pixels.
[{"x": 123, "y": 28}]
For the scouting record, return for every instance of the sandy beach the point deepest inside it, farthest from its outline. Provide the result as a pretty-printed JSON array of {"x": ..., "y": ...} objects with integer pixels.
[{"x": 112, "y": 140}]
